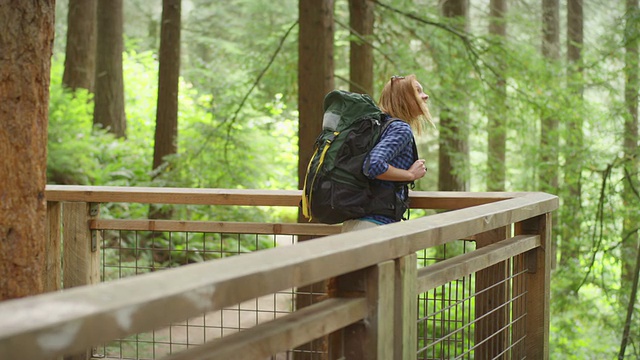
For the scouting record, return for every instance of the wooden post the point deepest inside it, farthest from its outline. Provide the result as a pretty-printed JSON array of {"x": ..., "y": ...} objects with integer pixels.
[
  {"x": 81, "y": 250},
  {"x": 538, "y": 279},
  {"x": 306, "y": 296},
  {"x": 491, "y": 299},
  {"x": 53, "y": 263},
  {"x": 372, "y": 338},
  {"x": 406, "y": 308}
]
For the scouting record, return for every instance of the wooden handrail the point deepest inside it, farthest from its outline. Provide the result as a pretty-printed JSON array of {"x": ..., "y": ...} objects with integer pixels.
[
  {"x": 466, "y": 264},
  {"x": 217, "y": 227},
  {"x": 68, "y": 319},
  {"x": 281, "y": 334},
  {"x": 244, "y": 197},
  {"x": 149, "y": 301}
]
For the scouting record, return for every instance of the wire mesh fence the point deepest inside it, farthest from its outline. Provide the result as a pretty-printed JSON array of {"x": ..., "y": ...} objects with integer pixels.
[
  {"x": 450, "y": 324},
  {"x": 133, "y": 252},
  {"x": 474, "y": 317}
]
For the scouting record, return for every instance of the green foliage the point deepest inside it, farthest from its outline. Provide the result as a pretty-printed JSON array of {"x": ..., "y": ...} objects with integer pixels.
[
  {"x": 213, "y": 152},
  {"x": 572, "y": 329},
  {"x": 71, "y": 154},
  {"x": 77, "y": 153},
  {"x": 217, "y": 148},
  {"x": 238, "y": 132}
]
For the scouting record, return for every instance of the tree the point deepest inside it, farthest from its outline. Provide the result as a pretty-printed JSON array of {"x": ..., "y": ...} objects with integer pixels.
[
  {"x": 26, "y": 42},
  {"x": 166, "y": 134},
  {"x": 168, "y": 75},
  {"x": 315, "y": 74},
  {"x": 630, "y": 139},
  {"x": 109, "y": 87},
  {"x": 453, "y": 143},
  {"x": 361, "y": 20},
  {"x": 315, "y": 80},
  {"x": 571, "y": 211},
  {"x": 497, "y": 127},
  {"x": 549, "y": 122},
  {"x": 80, "y": 59}
]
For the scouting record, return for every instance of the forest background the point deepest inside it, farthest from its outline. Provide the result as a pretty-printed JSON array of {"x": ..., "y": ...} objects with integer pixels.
[{"x": 522, "y": 98}]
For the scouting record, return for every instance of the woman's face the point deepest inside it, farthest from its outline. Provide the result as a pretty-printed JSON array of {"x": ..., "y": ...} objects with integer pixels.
[{"x": 420, "y": 91}]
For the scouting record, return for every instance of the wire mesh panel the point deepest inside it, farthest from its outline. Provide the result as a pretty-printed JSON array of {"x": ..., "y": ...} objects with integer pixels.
[
  {"x": 444, "y": 311},
  {"x": 474, "y": 317},
  {"x": 468, "y": 318},
  {"x": 128, "y": 253}
]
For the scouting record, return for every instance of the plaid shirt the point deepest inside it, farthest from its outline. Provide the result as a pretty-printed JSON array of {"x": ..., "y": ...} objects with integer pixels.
[{"x": 394, "y": 148}]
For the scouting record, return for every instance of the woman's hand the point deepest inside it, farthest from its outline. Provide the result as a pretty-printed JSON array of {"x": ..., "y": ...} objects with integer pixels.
[{"x": 418, "y": 169}]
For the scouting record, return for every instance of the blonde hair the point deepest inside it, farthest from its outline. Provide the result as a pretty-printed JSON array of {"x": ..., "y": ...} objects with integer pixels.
[{"x": 400, "y": 99}]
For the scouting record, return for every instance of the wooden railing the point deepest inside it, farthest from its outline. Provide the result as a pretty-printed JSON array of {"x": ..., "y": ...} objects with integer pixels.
[{"x": 370, "y": 312}]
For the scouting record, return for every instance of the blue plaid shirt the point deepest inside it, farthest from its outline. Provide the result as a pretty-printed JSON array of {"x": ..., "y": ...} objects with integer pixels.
[{"x": 394, "y": 148}]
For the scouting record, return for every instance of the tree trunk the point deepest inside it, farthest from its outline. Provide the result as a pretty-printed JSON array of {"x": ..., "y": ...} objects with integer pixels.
[
  {"x": 626, "y": 331},
  {"x": 361, "y": 20},
  {"x": 571, "y": 211},
  {"x": 315, "y": 80},
  {"x": 166, "y": 136},
  {"x": 26, "y": 42},
  {"x": 315, "y": 74},
  {"x": 497, "y": 127},
  {"x": 549, "y": 138},
  {"x": 109, "y": 87},
  {"x": 169, "y": 72},
  {"x": 453, "y": 157},
  {"x": 630, "y": 145},
  {"x": 80, "y": 59}
]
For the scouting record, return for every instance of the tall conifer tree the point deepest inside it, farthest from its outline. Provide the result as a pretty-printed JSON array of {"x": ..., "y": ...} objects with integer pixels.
[{"x": 109, "y": 109}]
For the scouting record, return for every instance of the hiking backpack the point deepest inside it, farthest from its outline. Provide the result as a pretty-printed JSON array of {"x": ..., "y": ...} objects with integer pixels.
[{"x": 335, "y": 187}]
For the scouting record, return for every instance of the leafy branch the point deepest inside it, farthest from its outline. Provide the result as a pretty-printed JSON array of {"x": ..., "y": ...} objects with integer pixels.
[
  {"x": 234, "y": 118},
  {"x": 466, "y": 38}
]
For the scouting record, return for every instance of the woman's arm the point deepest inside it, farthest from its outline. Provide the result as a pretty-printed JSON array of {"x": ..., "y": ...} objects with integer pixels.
[
  {"x": 395, "y": 140},
  {"x": 415, "y": 172}
]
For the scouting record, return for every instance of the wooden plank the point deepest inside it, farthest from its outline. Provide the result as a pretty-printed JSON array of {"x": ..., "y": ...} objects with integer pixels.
[
  {"x": 81, "y": 255},
  {"x": 460, "y": 266},
  {"x": 371, "y": 338},
  {"x": 406, "y": 308},
  {"x": 381, "y": 299},
  {"x": 122, "y": 307},
  {"x": 538, "y": 282},
  {"x": 167, "y": 195},
  {"x": 453, "y": 200},
  {"x": 249, "y": 197},
  {"x": 53, "y": 267},
  {"x": 280, "y": 334},
  {"x": 473, "y": 220},
  {"x": 217, "y": 227}
]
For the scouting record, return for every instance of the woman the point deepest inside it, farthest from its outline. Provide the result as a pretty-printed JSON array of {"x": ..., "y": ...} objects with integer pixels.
[{"x": 391, "y": 161}]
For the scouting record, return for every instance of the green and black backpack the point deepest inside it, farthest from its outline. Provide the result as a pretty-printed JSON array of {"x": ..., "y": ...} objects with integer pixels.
[{"x": 335, "y": 187}]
